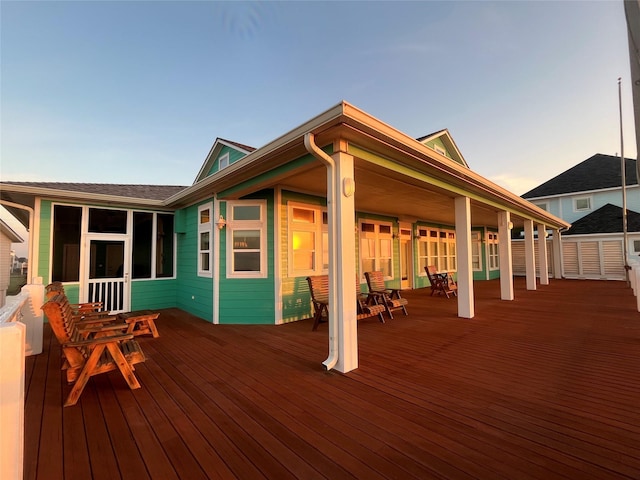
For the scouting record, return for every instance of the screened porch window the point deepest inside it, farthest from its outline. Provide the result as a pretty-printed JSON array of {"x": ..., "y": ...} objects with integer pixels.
[
  {"x": 152, "y": 238},
  {"x": 67, "y": 231}
]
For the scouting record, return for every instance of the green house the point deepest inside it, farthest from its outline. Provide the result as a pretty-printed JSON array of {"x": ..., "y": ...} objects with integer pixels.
[{"x": 341, "y": 194}]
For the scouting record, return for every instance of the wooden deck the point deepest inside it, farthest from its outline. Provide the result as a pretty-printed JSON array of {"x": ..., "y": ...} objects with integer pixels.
[{"x": 544, "y": 387}]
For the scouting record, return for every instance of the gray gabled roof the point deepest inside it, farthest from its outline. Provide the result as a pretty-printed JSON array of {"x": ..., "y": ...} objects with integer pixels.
[
  {"x": 146, "y": 192},
  {"x": 595, "y": 173},
  {"x": 606, "y": 219}
]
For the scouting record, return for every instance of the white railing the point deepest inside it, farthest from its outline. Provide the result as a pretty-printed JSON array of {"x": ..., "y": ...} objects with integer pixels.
[{"x": 20, "y": 335}]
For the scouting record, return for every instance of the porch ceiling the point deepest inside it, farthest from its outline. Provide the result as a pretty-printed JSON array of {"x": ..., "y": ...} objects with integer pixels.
[{"x": 384, "y": 192}]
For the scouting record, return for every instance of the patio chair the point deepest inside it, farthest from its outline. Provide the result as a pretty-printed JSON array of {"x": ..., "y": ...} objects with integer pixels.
[
  {"x": 134, "y": 323},
  {"x": 380, "y": 294},
  {"x": 86, "y": 357},
  {"x": 319, "y": 289},
  {"x": 441, "y": 283}
]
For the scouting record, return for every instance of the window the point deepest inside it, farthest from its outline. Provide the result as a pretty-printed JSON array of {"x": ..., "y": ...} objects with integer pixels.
[
  {"x": 476, "y": 257},
  {"x": 438, "y": 248},
  {"x": 164, "y": 245},
  {"x": 102, "y": 220},
  {"x": 376, "y": 248},
  {"x": 67, "y": 222},
  {"x": 582, "y": 204},
  {"x": 308, "y": 240},
  {"x": 636, "y": 246},
  {"x": 146, "y": 243},
  {"x": 492, "y": 247},
  {"x": 246, "y": 239},
  {"x": 223, "y": 161},
  {"x": 205, "y": 224},
  {"x": 543, "y": 205},
  {"x": 142, "y": 244}
]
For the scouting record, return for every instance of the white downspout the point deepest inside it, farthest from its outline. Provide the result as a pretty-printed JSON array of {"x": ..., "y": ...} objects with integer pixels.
[{"x": 313, "y": 149}]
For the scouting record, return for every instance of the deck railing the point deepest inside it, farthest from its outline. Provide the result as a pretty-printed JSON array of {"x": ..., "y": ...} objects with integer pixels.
[{"x": 20, "y": 335}]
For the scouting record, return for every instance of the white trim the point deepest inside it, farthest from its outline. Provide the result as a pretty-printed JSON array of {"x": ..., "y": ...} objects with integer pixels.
[
  {"x": 34, "y": 238},
  {"x": 580, "y": 193},
  {"x": 261, "y": 225},
  {"x": 206, "y": 227},
  {"x": 216, "y": 264},
  {"x": 575, "y": 200},
  {"x": 221, "y": 158},
  {"x": 277, "y": 254}
]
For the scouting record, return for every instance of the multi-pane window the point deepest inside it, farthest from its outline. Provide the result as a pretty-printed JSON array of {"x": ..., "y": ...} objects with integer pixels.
[
  {"x": 205, "y": 233},
  {"x": 223, "y": 161},
  {"x": 437, "y": 248},
  {"x": 493, "y": 252},
  {"x": 376, "y": 247},
  {"x": 476, "y": 251},
  {"x": 308, "y": 240},
  {"x": 246, "y": 239}
]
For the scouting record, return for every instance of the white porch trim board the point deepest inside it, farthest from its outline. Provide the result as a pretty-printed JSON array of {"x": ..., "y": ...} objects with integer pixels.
[
  {"x": 506, "y": 258},
  {"x": 466, "y": 306},
  {"x": 556, "y": 240},
  {"x": 529, "y": 254}
]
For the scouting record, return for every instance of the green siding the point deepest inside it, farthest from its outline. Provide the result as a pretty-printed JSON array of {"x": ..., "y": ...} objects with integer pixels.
[
  {"x": 153, "y": 294},
  {"x": 44, "y": 242},
  {"x": 249, "y": 300},
  {"x": 193, "y": 294},
  {"x": 234, "y": 156}
]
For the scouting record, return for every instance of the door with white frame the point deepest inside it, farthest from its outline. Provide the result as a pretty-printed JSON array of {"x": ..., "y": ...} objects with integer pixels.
[
  {"x": 106, "y": 271},
  {"x": 406, "y": 257}
]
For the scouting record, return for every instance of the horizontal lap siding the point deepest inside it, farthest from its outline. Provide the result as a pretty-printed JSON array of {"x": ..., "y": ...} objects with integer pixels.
[
  {"x": 249, "y": 300},
  {"x": 193, "y": 294},
  {"x": 153, "y": 294}
]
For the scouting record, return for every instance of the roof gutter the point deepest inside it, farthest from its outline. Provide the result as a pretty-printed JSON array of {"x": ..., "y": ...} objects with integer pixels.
[{"x": 332, "y": 312}]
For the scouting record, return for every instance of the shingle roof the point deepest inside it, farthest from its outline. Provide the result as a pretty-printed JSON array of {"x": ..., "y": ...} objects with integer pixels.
[
  {"x": 147, "y": 192},
  {"x": 606, "y": 219},
  {"x": 595, "y": 173},
  {"x": 239, "y": 145}
]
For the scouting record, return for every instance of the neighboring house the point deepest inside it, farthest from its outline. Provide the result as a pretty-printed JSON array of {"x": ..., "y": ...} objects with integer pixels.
[
  {"x": 7, "y": 237},
  {"x": 238, "y": 244},
  {"x": 589, "y": 196}
]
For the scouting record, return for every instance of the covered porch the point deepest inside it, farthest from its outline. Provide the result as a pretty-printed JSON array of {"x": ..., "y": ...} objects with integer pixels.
[{"x": 543, "y": 387}]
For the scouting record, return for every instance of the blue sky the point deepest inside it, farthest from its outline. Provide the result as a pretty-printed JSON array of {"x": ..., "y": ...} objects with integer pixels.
[{"x": 136, "y": 92}]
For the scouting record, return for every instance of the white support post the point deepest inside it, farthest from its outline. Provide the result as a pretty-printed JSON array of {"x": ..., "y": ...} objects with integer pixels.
[
  {"x": 506, "y": 261},
  {"x": 557, "y": 253},
  {"x": 466, "y": 306},
  {"x": 529, "y": 255},
  {"x": 542, "y": 254},
  {"x": 12, "y": 371},
  {"x": 345, "y": 273}
]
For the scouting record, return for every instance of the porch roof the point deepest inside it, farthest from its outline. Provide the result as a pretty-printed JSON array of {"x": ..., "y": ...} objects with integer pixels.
[{"x": 546, "y": 386}]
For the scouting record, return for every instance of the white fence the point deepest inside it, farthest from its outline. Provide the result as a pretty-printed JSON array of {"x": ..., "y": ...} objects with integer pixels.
[{"x": 20, "y": 335}]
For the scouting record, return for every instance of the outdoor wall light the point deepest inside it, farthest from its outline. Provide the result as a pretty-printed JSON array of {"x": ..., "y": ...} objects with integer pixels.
[{"x": 221, "y": 223}]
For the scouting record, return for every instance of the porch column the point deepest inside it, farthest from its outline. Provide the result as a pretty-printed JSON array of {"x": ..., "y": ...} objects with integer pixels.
[
  {"x": 344, "y": 275},
  {"x": 529, "y": 255},
  {"x": 556, "y": 241},
  {"x": 506, "y": 262},
  {"x": 466, "y": 307},
  {"x": 542, "y": 254}
]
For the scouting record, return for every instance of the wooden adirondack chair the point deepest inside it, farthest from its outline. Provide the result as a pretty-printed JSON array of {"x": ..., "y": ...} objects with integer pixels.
[
  {"x": 441, "y": 283},
  {"x": 86, "y": 357},
  {"x": 134, "y": 323},
  {"x": 319, "y": 289},
  {"x": 389, "y": 297}
]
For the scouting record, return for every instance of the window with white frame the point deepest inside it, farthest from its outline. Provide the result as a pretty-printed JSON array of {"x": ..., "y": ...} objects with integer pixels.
[
  {"x": 308, "y": 240},
  {"x": 246, "y": 239},
  {"x": 582, "y": 204},
  {"x": 376, "y": 247},
  {"x": 476, "y": 251},
  {"x": 223, "y": 161},
  {"x": 543, "y": 205},
  {"x": 493, "y": 252},
  {"x": 438, "y": 248},
  {"x": 636, "y": 247},
  {"x": 205, "y": 236}
]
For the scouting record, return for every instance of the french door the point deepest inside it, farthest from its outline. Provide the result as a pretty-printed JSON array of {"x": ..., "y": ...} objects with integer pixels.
[{"x": 106, "y": 276}]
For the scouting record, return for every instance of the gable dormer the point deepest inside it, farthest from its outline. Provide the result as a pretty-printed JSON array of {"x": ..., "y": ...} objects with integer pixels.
[
  {"x": 222, "y": 154},
  {"x": 442, "y": 143}
]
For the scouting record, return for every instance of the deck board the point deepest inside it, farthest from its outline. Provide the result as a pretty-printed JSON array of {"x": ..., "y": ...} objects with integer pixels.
[{"x": 544, "y": 387}]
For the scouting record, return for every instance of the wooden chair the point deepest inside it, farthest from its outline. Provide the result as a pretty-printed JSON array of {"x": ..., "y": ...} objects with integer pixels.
[
  {"x": 134, "y": 323},
  {"x": 319, "y": 289},
  {"x": 389, "y": 297},
  {"x": 441, "y": 283},
  {"x": 86, "y": 357}
]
